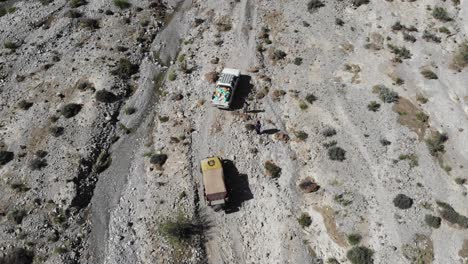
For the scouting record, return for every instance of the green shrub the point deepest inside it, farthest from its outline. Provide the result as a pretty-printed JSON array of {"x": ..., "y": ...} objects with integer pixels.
[
  {"x": 460, "y": 60},
  {"x": 402, "y": 201},
  {"x": 37, "y": 164},
  {"x": 436, "y": 142},
  {"x": 298, "y": 61},
  {"x": 460, "y": 181},
  {"x": 301, "y": 135},
  {"x": 70, "y": 110},
  {"x": 19, "y": 187},
  {"x": 360, "y": 255},
  {"x": 373, "y": 106},
  {"x": 163, "y": 119},
  {"x": 428, "y": 36},
  {"x": 3, "y": 11},
  {"x": 400, "y": 53},
  {"x": 180, "y": 230},
  {"x": 16, "y": 216},
  {"x": 329, "y": 132},
  {"x": 18, "y": 256},
  {"x": 444, "y": 30},
  {"x": 77, "y": 3},
  {"x": 105, "y": 96},
  {"x": 172, "y": 75},
  {"x": 25, "y": 105},
  {"x": 272, "y": 169},
  {"x": 158, "y": 159},
  {"x": 122, "y": 4},
  {"x": 11, "y": 45},
  {"x": 412, "y": 158},
  {"x": 441, "y": 14},
  {"x": 278, "y": 54},
  {"x": 56, "y": 131},
  {"x": 428, "y": 74},
  {"x": 88, "y": 23},
  {"x": 305, "y": 220},
  {"x": 385, "y": 94},
  {"x": 130, "y": 110},
  {"x": 449, "y": 214},
  {"x": 421, "y": 116},
  {"x": 432, "y": 221},
  {"x": 336, "y": 153},
  {"x": 5, "y": 157},
  {"x": 310, "y": 98},
  {"x": 125, "y": 69},
  {"x": 303, "y": 105},
  {"x": 313, "y": 5},
  {"x": 354, "y": 239}
]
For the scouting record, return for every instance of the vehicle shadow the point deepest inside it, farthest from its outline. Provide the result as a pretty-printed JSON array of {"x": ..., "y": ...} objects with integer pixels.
[
  {"x": 238, "y": 187},
  {"x": 244, "y": 88}
]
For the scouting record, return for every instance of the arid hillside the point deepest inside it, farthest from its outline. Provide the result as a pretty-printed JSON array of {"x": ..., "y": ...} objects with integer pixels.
[{"x": 105, "y": 115}]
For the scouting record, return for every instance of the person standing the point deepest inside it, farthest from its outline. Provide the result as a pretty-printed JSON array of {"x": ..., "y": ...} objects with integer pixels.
[
  {"x": 258, "y": 127},
  {"x": 246, "y": 105}
]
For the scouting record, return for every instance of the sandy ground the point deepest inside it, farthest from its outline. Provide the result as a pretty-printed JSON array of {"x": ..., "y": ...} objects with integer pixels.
[{"x": 74, "y": 213}]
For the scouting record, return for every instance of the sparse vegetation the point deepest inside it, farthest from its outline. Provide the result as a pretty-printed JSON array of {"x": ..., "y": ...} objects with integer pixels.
[
  {"x": 310, "y": 98},
  {"x": 5, "y": 157},
  {"x": 428, "y": 36},
  {"x": 313, "y": 5},
  {"x": 329, "y": 132},
  {"x": 343, "y": 199},
  {"x": 449, "y": 214},
  {"x": 444, "y": 30},
  {"x": 224, "y": 24},
  {"x": 423, "y": 117},
  {"x": 278, "y": 54},
  {"x": 432, "y": 221},
  {"x": 360, "y": 255},
  {"x": 354, "y": 239},
  {"x": 303, "y": 105},
  {"x": 373, "y": 106},
  {"x": 125, "y": 69},
  {"x": 358, "y": 3},
  {"x": 428, "y": 74},
  {"x": 336, "y": 153},
  {"x": 11, "y": 45},
  {"x": 56, "y": 131},
  {"x": 385, "y": 94},
  {"x": 163, "y": 119},
  {"x": 19, "y": 187},
  {"x": 436, "y": 143},
  {"x": 89, "y": 23},
  {"x": 441, "y": 14},
  {"x": 158, "y": 159},
  {"x": 122, "y": 4},
  {"x": 409, "y": 37},
  {"x": 105, "y": 96},
  {"x": 77, "y": 3},
  {"x": 172, "y": 75},
  {"x": 180, "y": 230},
  {"x": 305, "y": 220},
  {"x": 402, "y": 201},
  {"x": 411, "y": 158},
  {"x": 298, "y": 61},
  {"x": 272, "y": 169},
  {"x": 460, "y": 60},
  {"x": 16, "y": 216},
  {"x": 37, "y": 164},
  {"x": 301, "y": 135},
  {"x": 460, "y": 181},
  {"x": 70, "y": 110},
  {"x": 401, "y": 53}
]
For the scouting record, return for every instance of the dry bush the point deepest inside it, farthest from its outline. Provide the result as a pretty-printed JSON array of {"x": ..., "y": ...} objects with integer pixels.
[
  {"x": 360, "y": 255},
  {"x": 402, "y": 201},
  {"x": 460, "y": 60},
  {"x": 105, "y": 96},
  {"x": 304, "y": 220},
  {"x": 211, "y": 77},
  {"x": 70, "y": 110},
  {"x": 432, "y": 221},
  {"x": 272, "y": 169},
  {"x": 308, "y": 185},
  {"x": 428, "y": 74}
]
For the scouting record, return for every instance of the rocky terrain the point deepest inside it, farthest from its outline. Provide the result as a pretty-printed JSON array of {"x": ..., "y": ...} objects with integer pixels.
[{"x": 105, "y": 116}]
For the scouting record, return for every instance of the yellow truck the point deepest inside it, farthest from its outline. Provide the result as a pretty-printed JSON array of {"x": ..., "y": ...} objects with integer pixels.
[{"x": 213, "y": 182}]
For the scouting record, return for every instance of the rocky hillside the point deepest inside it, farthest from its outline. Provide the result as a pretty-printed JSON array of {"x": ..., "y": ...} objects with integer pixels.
[{"x": 106, "y": 114}]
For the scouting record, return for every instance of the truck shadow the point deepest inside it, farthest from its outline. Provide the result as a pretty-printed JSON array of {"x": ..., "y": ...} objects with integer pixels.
[
  {"x": 244, "y": 88},
  {"x": 237, "y": 186}
]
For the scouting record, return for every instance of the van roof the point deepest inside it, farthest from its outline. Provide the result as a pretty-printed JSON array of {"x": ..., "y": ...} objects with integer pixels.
[{"x": 213, "y": 177}]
